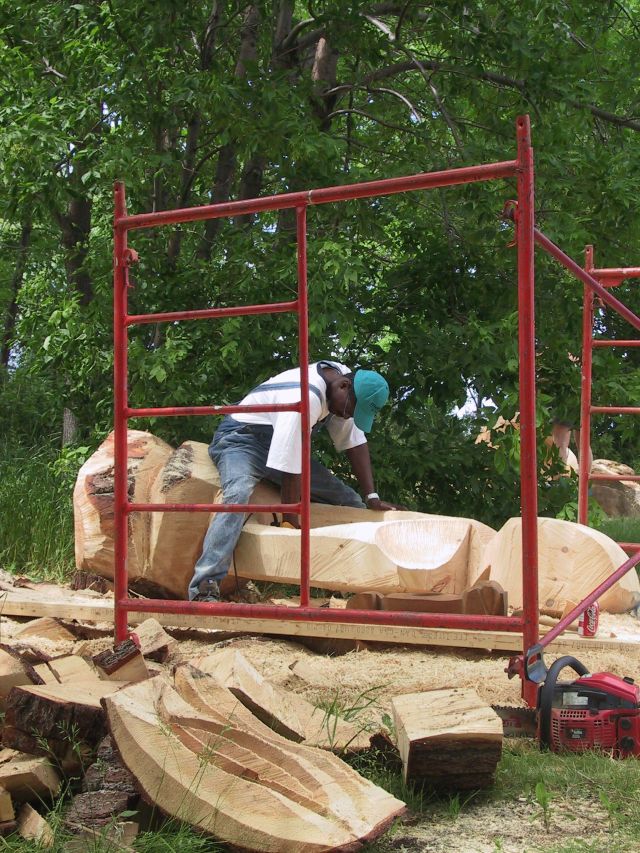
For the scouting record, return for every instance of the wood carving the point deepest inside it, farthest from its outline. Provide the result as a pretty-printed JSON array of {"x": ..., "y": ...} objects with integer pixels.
[
  {"x": 573, "y": 560},
  {"x": 423, "y": 553},
  {"x": 281, "y": 710},
  {"x": 250, "y": 792}
]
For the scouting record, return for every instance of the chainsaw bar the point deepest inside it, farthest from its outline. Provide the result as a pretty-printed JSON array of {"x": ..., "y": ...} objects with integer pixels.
[{"x": 517, "y": 722}]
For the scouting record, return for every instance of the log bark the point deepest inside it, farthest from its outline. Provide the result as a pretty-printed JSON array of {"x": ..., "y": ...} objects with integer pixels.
[
  {"x": 449, "y": 739},
  {"x": 63, "y": 721},
  {"x": 248, "y": 792}
]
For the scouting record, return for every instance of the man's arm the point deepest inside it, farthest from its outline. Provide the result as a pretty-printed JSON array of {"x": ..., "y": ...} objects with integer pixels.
[{"x": 361, "y": 466}]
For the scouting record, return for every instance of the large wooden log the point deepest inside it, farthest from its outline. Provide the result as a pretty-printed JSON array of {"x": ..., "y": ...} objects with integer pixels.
[
  {"x": 93, "y": 504},
  {"x": 419, "y": 554},
  {"x": 572, "y": 561},
  {"x": 447, "y": 738},
  {"x": 234, "y": 785}
]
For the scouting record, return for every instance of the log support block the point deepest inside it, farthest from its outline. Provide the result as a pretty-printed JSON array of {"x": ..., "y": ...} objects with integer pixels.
[{"x": 449, "y": 739}]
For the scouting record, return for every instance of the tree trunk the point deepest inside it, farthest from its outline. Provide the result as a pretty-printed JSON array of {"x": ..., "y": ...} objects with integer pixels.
[{"x": 16, "y": 283}]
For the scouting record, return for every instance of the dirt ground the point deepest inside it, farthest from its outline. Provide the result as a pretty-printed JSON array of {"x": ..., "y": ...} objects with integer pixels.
[{"x": 372, "y": 676}]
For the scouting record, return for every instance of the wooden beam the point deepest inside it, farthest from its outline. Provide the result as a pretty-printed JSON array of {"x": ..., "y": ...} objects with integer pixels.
[{"x": 29, "y": 603}]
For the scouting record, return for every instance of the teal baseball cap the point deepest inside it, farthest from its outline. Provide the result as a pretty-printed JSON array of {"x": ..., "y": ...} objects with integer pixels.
[{"x": 372, "y": 392}]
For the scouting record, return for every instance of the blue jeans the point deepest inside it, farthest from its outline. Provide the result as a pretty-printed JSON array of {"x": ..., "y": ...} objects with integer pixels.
[{"x": 240, "y": 452}]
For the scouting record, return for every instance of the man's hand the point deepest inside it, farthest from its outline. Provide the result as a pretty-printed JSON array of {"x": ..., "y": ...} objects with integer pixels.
[{"x": 379, "y": 505}]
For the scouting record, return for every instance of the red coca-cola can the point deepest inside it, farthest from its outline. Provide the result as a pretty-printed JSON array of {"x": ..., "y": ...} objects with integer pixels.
[{"x": 588, "y": 621}]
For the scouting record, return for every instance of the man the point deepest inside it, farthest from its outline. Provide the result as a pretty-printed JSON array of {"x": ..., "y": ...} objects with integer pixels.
[{"x": 251, "y": 446}]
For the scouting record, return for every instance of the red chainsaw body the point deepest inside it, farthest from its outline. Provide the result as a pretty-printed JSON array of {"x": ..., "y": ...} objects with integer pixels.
[{"x": 599, "y": 711}]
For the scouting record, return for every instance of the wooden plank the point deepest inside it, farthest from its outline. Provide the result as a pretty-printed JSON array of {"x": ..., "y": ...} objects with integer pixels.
[
  {"x": 28, "y": 603},
  {"x": 33, "y": 827}
]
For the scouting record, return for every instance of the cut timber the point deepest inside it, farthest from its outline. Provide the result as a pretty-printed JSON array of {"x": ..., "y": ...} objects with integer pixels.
[
  {"x": 62, "y": 720},
  {"x": 153, "y": 641},
  {"x": 72, "y": 669},
  {"x": 6, "y": 806},
  {"x": 425, "y": 554},
  {"x": 14, "y": 672},
  {"x": 573, "y": 560},
  {"x": 46, "y": 627},
  {"x": 93, "y": 504},
  {"x": 33, "y": 827},
  {"x": 28, "y": 779},
  {"x": 447, "y": 738},
  {"x": 283, "y": 711},
  {"x": 248, "y": 792},
  {"x": 123, "y": 663}
]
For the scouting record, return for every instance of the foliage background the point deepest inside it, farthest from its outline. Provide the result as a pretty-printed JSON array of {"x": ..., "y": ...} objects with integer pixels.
[{"x": 207, "y": 101}]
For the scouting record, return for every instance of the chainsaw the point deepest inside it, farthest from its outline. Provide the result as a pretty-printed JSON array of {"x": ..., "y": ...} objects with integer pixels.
[{"x": 594, "y": 711}]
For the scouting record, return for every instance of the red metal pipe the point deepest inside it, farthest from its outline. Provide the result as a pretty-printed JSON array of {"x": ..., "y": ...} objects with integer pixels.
[
  {"x": 585, "y": 393},
  {"x": 602, "y": 343},
  {"x": 620, "y": 273},
  {"x": 210, "y": 410},
  {"x": 303, "y": 338},
  {"x": 584, "y": 276},
  {"x": 527, "y": 376},
  {"x": 589, "y": 599},
  {"x": 630, "y": 546},
  {"x": 367, "y": 189},
  {"x": 274, "y": 612},
  {"x": 206, "y": 313},
  {"x": 616, "y": 410},
  {"x": 120, "y": 286}
]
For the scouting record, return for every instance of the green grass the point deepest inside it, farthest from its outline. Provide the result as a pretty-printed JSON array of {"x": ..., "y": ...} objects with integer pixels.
[
  {"x": 623, "y": 529},
  {"x": 36, "y": 513}
]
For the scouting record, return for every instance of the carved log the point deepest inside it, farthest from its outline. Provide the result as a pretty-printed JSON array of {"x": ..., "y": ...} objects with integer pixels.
[
  {"x": 247, "y": 791},
  {"x": 424, "y": 554},
  {"x": 283, "y": 711},
  {"x": 93, "y": 504},
  {"x": 573, "y": 560}
]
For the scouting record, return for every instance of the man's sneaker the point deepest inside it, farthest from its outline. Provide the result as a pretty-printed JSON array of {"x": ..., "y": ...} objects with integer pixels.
[{"x": 208, "y": 590}]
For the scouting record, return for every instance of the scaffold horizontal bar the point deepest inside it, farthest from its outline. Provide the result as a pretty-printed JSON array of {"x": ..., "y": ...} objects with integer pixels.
[
  {"x": 276, "y": 612},
  {"x": 169, "y": 411},
  {"x": 367, "y": 189},
  {"x": 623, "y": 272},
  {"x": 615, "y": 410},
  {"x": 206, "y": 313},
  {"x": 287, "y": 508},
  {"x": 602, "y": 343}
]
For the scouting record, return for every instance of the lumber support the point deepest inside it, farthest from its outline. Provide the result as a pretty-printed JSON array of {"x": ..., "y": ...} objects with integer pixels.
[{"x": 448, "y": 739}]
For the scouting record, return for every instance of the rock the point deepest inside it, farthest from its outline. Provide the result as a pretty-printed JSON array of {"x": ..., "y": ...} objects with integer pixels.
[{"x": 616, "y": 497}]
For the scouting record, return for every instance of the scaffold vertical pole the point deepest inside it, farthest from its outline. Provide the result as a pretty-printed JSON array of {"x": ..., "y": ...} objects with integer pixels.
[
  {"x": 303, "y": 337},
  {"x": 585, "y": 396},
  {"x": 527, "y": 377},
  {"x": 120, "y": 342}
]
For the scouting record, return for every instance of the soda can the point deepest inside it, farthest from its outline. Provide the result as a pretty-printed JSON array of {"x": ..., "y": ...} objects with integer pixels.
[{"x": 588, "y": 621}]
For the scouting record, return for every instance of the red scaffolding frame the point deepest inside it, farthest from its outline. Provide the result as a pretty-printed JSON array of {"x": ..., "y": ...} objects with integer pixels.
[
  {"x": 608, "y": 277},
  {"x": 522, "y": 169}
]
